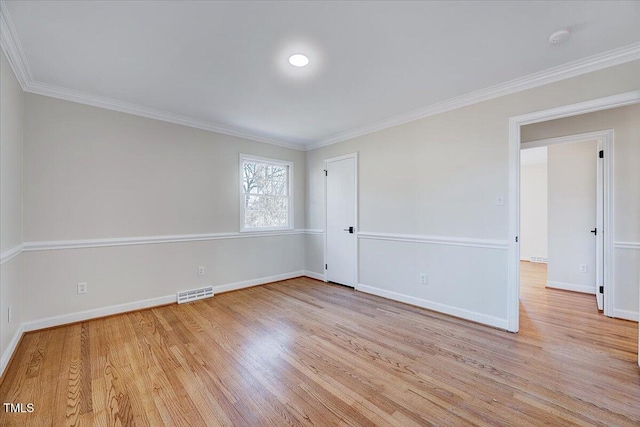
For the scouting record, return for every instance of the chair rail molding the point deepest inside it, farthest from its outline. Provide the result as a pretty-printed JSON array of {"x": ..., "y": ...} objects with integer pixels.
[
  {"x": 149, "y": 240},
  {"x": 436, "y": 240}
]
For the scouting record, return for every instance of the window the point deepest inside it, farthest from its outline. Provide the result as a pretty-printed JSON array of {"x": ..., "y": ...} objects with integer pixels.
[{"x": 266, "y": 202}]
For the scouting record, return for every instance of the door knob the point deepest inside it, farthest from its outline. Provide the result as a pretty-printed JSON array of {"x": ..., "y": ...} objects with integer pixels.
[
  {"x": 350, "y": 230},
  {"x": 595, "y": 231}
]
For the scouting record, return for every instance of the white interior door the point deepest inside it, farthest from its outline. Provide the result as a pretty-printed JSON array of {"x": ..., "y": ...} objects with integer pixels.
[
  {"x": 599, "y": 230},
  {"x": 572, "y": 216},
  {"x": 341, "y": 217}
]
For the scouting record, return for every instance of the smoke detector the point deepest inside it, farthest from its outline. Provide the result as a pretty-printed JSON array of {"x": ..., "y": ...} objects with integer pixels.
[{"x": 559, "y": 36}]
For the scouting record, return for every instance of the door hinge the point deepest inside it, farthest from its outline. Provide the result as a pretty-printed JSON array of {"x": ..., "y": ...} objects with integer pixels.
[
  {"x": 602, "y": 289},
  {"x": 325, "y": 173},
  {"x": 325, "y": 267},
  {"x": 516, "y": 239},
  {"x": 601, "y": 154}
]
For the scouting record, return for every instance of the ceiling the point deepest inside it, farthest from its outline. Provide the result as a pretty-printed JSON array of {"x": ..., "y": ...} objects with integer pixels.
[{"x": 223, "y": 65}]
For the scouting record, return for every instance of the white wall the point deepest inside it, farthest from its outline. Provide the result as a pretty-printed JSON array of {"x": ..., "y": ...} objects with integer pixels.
[
  {"x": 124, "y": 274},
  {"x": 572, "y": 214},
  {"x": 440, "y": 176},
  {"x": 11, "y": 140},
  {"x": 533, "y": 204},
  {"x": 91, "y": 173},
  {"x": 625, "y": 122},
  {"x": 95, "y": 173}
]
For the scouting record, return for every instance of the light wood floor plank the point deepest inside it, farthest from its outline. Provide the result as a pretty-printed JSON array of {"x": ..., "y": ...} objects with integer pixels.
[{"x": 305, "y": 353}]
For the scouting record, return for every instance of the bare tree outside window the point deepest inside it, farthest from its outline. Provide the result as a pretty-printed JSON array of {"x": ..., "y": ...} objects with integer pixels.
[{"x": 265, "y": 192}]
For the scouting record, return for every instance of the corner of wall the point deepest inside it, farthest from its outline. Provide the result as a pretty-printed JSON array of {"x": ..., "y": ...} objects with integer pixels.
[{"x": 12, "y": 114}]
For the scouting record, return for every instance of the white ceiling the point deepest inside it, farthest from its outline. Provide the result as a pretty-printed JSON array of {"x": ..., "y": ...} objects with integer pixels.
[{"x": 225, "y": 63}]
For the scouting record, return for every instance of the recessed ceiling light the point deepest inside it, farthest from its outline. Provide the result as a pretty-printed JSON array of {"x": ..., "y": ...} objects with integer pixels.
[{"x": 298, "y": 60}]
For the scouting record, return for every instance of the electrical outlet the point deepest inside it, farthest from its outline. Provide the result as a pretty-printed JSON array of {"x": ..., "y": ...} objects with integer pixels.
[
  {"x": 82, "y": 288},
  {"x": 583, "y": 268},
  {"x": 200, "y": 271},
  {"x": 10, "y": 314},
  {"x": 423, "y": 279}
]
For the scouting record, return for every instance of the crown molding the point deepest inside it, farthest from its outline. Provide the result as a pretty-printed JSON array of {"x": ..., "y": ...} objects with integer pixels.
[
  {"x": 571, "y": 69},
  {"x": 59, "y": 92},
  {"x": 12, "y": 48},
  {"x": 10, "y": 44}
]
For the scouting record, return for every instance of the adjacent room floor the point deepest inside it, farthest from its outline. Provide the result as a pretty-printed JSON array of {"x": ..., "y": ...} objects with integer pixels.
[{"x": 302, "y": 352}]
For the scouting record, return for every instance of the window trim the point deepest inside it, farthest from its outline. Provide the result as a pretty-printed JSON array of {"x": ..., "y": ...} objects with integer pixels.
[{"x": 289, "y": 165}]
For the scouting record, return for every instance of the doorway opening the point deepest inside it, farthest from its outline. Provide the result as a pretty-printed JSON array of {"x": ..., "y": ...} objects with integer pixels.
[
  {"x": 515, "y": 124},
  {"x": 563, "y": 209}
]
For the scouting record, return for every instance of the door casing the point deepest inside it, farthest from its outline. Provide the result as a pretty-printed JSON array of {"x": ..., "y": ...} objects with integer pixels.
[{"x": 513, "y": 274}]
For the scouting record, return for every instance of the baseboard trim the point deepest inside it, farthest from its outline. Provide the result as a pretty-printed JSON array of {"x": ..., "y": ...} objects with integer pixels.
[
  {"x": 64, "y": 319},
  {"x": 255, "y": 282},
  {"x": 435, "y": 306},
  {"x": 10, "y": 351},
  {"x": 79, "y": 316},
  {"x": 571, "y": 287},
  {"x": 314, "y": 275},
  {"x": 625, "y": 314}
]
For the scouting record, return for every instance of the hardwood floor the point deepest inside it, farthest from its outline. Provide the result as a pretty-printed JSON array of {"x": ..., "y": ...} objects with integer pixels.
[{"x": 301, "y": 352}]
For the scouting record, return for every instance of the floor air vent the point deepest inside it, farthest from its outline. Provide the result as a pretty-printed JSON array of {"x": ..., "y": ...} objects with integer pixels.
[{"x": 195, "y": 294}]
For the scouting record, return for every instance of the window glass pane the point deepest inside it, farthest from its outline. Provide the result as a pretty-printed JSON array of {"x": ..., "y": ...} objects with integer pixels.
[
  {"x": 275, "y": 188},
  {"x": 274, "y": 172},
  {"x": 279, "y": 218},
  {"x": 265, "y": 188},
  {"x": 254, "y": 186},
  {"x": 265, "y": 203},
  {"x": 252, "y": 219},
  {"x": 249, "y": 177},
  {"x": 258, "y": 169},
  {"x": 257, "y": 219}
]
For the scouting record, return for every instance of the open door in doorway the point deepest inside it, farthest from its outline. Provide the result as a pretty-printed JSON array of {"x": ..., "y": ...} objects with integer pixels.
[
  {"x": 599, "y": 228},
  {"x": 581, "y": 233}
]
